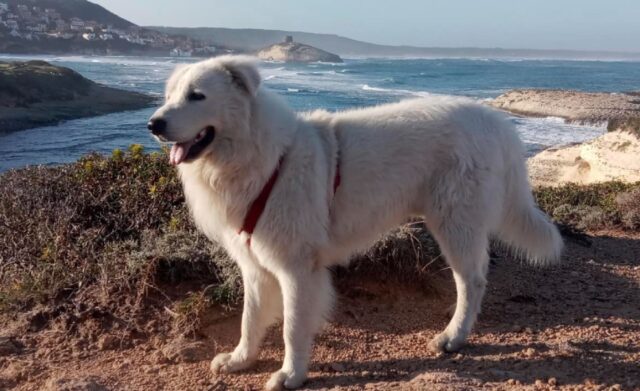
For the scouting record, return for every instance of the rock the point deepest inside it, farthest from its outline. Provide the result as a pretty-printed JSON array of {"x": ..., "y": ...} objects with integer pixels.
[
  {"x": 612, "y": 156},
  {"x": 9, "y": 347},
  {"x": 108, "y": 342},
  {"x": 184, "y": 351},
  {"x": 290, "y": 51},
  {"x": 150, "y": 369},
  {"x": 337, "y": 367},
  {"x": 158, "y": 357},
  {"x": 573, "y": 106},
  {"x": 55, "y": 94},
  {"x": 65, "y": 384}
]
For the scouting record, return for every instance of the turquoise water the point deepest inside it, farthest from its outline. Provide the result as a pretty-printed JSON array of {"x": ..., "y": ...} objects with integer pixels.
[{"x": 330, "y": 86}]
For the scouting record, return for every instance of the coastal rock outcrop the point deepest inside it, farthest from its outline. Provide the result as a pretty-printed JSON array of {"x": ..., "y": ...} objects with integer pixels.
[
  {"x": 573, "y": 106},
  {"x": 36, "y": 93},
  {"x": 290, "y": 51},
  {"x": 610, "y": 157}
]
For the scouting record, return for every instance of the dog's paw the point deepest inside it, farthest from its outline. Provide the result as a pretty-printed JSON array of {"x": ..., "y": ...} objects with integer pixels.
[
  {"x": 227, "y": 363},
  {"x": 442, "y": 343},
  {"x": 283, "y": 380}
]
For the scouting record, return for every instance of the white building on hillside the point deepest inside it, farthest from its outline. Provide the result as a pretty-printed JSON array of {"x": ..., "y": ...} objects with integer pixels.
[
  {"x": 77, "y": 24},
  {"x": 12, "y": 24}
]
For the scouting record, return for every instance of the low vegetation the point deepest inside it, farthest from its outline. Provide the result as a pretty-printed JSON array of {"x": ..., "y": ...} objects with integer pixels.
[
  {"x": 113, "y": 233},
  {"x": 631, "y": 124}
]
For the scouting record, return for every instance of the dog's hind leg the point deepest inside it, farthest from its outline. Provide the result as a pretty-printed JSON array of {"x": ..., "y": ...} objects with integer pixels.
[
  {"x": 262, "y": 308},
  {"x": 466, "y": 251},
  {"x": 308, "y": 298}
]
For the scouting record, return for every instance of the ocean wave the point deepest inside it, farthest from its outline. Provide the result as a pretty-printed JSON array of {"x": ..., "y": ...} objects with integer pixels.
[
  {"x": 554, "y": 131},
  {"x": 312, "y": 73},
  {"x": 400, "y": 92},
  {"x": 367, "y": 87}
]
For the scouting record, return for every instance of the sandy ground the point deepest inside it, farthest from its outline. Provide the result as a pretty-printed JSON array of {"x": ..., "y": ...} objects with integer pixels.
[{"x": 572, "y": 326}]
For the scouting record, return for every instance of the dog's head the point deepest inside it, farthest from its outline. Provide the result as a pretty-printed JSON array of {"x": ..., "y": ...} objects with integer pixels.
[{"x": 207, "y": 107}]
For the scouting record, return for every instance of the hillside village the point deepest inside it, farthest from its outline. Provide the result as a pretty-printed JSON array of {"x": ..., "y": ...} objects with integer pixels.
[{"x": 21, "y": 22}]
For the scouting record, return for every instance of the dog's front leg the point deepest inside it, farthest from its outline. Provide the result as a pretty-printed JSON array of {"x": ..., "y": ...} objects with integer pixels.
[
  {"x": 307, "y": 298},
  {"x": 262, "y": 307}
]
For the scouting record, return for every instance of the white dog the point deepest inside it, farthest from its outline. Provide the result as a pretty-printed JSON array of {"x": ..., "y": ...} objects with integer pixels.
[{"x": 261, "y": 180}]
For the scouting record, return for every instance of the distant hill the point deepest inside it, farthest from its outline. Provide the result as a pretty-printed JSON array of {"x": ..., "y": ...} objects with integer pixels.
[
  {"x": 82, "y": 9},
  {"x": 255, "y": 39},
  {"x": 82, "y": 27}
]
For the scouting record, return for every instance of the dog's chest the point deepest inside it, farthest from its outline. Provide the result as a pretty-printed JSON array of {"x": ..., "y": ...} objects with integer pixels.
[{"x": 207, "y": 209}]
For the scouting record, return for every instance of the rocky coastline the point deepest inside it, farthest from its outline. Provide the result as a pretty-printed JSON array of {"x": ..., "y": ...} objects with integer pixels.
[
  {"x": 610, "y": 157},
  {"x": 36, "y": 93}
]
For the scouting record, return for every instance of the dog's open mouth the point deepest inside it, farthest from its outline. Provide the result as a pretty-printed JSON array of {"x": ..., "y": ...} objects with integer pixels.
[{"x": 190, "y": 150}]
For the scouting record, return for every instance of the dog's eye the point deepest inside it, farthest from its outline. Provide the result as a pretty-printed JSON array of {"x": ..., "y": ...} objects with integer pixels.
[{"x": 193, "y": 96}]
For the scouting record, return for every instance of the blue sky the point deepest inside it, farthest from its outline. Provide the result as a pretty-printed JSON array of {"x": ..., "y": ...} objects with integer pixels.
[{"x": 537, "y": 24}]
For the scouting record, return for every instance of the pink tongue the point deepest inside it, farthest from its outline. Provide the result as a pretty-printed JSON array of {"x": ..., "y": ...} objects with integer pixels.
[{"x": 179, "y": 152}]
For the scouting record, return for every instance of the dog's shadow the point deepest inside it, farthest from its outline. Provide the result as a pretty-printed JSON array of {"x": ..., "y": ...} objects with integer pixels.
[
  {"x": 609, "y": 369},
  {"x": 587, "y": 295}
]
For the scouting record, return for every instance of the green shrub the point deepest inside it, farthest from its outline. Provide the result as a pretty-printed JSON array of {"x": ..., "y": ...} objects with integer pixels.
[
  {"x": 629, "y": 205},
  {"x": 631, "y": 125},
  {"x": 590, "y": 207},
  {"x": 98, "y": 222}
]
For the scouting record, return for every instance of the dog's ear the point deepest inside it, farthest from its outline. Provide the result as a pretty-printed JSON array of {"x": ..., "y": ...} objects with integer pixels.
[
  {"x": 244, "y": 73},
  {"x": 178, "y": 71}
]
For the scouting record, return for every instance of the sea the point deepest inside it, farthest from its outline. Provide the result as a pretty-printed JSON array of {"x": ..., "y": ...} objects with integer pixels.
[{"x": 331, "y": 86}]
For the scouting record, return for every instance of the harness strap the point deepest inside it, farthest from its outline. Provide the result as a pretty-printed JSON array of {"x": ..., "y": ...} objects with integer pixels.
[{"x": 258, "y": 205}]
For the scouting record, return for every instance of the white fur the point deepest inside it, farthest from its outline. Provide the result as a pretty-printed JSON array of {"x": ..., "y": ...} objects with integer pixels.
[{"x": 451, "y": 161}]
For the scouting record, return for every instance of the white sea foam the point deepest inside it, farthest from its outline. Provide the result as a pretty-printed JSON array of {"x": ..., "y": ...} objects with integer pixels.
[
  {"x": 554, "y": 131},
  {"x": 367, "y": 87}
]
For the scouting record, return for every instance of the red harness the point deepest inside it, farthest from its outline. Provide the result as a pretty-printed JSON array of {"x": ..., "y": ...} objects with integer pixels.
[{"x": 258, "y": 205}]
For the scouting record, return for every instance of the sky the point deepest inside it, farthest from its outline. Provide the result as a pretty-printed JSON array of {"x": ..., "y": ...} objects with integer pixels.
[{"x": 612, "y": 25}]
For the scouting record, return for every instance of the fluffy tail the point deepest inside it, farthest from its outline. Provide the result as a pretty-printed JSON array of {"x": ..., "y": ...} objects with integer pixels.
[
  {"x": 525, "y": 228},
  {"x": 530, "y": 232}
]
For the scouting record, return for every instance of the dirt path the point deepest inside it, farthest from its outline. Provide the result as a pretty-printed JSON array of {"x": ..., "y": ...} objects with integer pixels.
[{"x": 573, "y": 326}]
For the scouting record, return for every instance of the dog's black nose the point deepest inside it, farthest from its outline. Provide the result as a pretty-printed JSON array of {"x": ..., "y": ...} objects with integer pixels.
[{"x": 157, "y": 126}]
